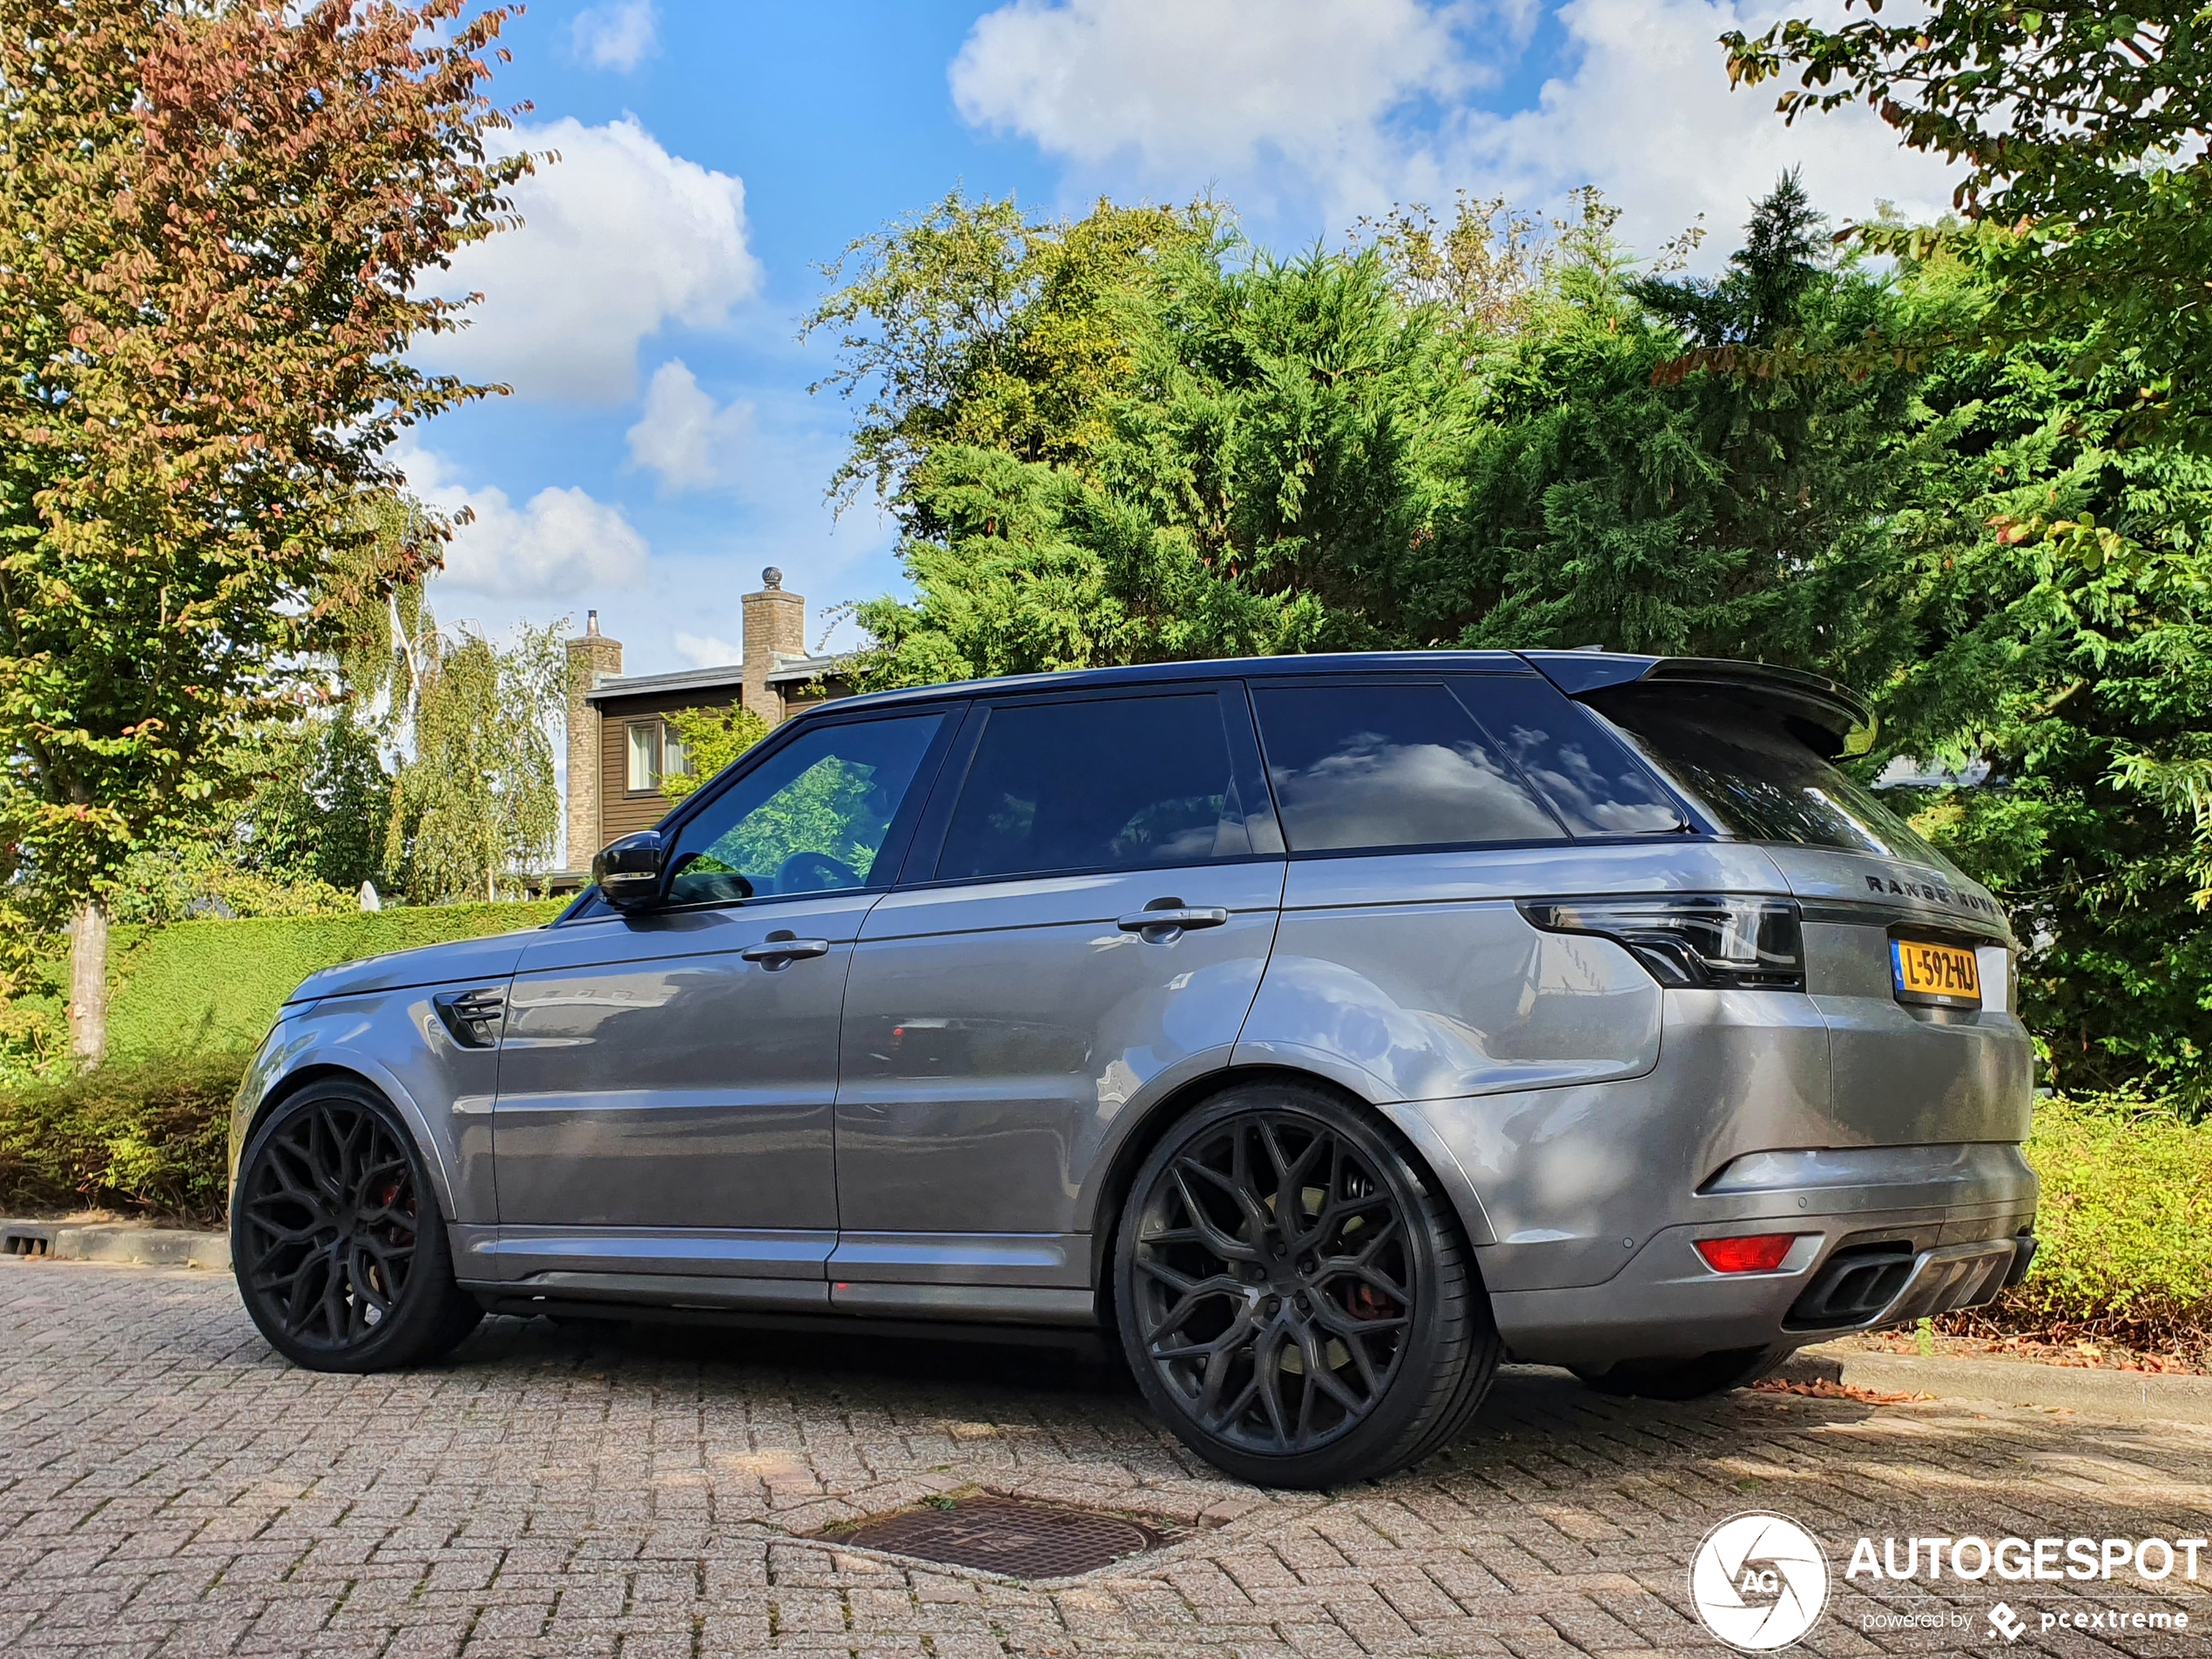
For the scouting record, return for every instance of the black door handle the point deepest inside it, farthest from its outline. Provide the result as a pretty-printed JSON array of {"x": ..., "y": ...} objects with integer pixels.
[
  {"x": 781, "y": 949},
  {"x": 1160, "y": 927}
]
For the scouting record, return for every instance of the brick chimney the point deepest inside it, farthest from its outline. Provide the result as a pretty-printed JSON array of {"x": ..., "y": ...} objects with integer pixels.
[
  {"x": 775, "y": 624},
  {"x": 592, "y": 657}
]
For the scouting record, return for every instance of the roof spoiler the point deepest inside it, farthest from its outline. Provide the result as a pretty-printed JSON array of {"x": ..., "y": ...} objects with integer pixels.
[{"x": 1834, "y": 709}]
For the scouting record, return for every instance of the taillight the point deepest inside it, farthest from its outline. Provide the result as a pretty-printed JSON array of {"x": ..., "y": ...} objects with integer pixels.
[
  {"x": 1758, "y": 1253},
  {"x": 1691, "y": 939}
]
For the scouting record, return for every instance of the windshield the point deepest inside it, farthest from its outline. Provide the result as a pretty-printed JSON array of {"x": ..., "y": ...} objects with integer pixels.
[{"x": 1753, "y": 771}]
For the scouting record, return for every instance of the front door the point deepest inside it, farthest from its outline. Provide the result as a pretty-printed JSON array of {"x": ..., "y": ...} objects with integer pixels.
[
  {"x": 667, "y": 1075},
  {"x": 1089, "y": 929}
]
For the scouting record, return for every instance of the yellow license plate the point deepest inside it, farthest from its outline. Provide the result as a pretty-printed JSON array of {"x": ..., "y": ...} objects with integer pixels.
[{"x": 1947, "y": 975}]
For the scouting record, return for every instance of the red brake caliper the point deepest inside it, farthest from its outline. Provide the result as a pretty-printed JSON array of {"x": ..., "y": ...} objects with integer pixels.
[{"x": 1367, "y": 1303}]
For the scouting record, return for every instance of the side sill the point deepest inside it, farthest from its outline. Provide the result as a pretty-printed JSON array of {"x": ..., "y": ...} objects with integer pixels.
[
  {"x": 1051, "y": 1261},
  {"x": 663, "y": 1290},
  {"x": 520, "y": 1255},
  {"x": 951, "y": 1304},
  {"x": 1088, "y": 1344}
]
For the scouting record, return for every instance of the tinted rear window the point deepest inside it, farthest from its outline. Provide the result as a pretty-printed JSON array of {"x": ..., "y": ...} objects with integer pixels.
[
  {"x": 1398, "y": 764},
  {"x": 1118, "y": 783},
  {"x": 1756, "y": 777}
]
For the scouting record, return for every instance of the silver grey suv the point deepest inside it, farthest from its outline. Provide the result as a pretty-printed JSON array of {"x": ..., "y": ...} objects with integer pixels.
[{"x": 1323, "y": 1029}]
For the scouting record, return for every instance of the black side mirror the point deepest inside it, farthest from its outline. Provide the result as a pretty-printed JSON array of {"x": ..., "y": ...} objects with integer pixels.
[{"x": 627, "y": 871}]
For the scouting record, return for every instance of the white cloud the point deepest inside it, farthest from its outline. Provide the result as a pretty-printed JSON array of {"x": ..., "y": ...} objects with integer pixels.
[
  {"x": 1359, "y": 106},
  {"x": 619, "y": 239},
  {"x": 558, "y": 545},
  {"x": 706, "y": 651},
  {"x": 1204, "y": 87},
  {"x": 618, "y": 36},
  {"x": 684, "y": 437},
  {"x": 1646, "y": 114}
]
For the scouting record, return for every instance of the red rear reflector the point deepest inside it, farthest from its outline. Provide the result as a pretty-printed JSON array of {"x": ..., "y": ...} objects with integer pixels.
[{"x": 1760, "y": 1253}]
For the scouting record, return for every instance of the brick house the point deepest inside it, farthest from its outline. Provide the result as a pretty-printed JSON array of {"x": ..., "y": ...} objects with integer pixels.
[{"x": 620, "y": 745}]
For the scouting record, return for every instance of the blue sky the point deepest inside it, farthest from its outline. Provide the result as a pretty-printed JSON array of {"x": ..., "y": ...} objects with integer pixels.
[{"x": 660, "y": 447}]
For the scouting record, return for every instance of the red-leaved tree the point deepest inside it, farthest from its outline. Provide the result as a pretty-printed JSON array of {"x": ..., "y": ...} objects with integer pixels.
[{"x": 214, "y": 218}]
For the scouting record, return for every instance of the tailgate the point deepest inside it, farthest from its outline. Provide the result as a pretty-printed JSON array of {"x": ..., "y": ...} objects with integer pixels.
[{"x": 1909, "y": 1073}]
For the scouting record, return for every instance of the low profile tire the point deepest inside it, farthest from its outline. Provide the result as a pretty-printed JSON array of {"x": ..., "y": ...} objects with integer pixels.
[
  {"x": 1707, "y": 1374},
  {"x": 1294, "y": 1297},
  {"x": 336, "y": 1239}
]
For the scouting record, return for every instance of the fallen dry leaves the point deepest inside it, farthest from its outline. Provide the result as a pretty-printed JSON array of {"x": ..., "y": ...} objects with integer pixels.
[{"x": 1821, "y": 1388}]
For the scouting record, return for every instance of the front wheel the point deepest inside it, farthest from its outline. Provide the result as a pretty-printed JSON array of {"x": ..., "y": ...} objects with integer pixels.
[
  {"x": 1294, "y": 1297},
  {"x": 1692, "y": 1379},
  {"x": 336, "y": 1240}
]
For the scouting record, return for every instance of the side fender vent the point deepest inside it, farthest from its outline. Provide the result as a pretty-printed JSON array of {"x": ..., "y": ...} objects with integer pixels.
[{"x": 472, "y": 1017}]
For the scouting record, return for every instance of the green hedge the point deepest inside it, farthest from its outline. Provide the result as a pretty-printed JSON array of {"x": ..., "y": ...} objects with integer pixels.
[
  {"x": 201, "y": 988},
  {"x": 2126, "y": 1251},
  {"x": 149, "y": 1139},
  {"x": 145, "y": 1134}
]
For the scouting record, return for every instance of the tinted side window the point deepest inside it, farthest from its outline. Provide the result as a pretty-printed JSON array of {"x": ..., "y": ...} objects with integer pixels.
[
  {"x": 1097, "y": 785},
  {"x": 1394, "y": 764},
  {"x": 1591, "y": 778},
  {"x": 810, "y": 820}
]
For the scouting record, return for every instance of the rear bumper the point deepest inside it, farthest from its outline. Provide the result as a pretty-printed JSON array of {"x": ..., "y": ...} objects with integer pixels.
[{"x": 1666, "y": 1301}]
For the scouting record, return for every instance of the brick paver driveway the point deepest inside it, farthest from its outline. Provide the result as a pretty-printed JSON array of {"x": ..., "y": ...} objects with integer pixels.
[{"x": 168, "y": 1487}]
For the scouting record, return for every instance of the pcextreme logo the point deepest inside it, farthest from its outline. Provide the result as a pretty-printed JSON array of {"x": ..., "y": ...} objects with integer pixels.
[{"x": 1759, "y": 1581}]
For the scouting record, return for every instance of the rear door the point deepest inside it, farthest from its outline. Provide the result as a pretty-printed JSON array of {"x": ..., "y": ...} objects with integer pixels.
[
  {"x": 1413, "y": 825},
  {"x": 1578, "y": 1098},
  {"x": 1085, "y": 918}
]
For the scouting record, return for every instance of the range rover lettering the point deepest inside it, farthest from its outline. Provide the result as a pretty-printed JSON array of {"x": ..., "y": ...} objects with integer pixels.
[{"x": 1320, "y": 1030}]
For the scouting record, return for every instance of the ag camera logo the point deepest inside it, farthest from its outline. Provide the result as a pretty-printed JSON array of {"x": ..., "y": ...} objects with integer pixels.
[{"x": 1759, "y": 1581}]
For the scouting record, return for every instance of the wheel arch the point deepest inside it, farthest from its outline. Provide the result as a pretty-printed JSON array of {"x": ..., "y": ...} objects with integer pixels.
[
  {"x": 314, "y": 1069},
  {"x": 1425, "y": 1148}
]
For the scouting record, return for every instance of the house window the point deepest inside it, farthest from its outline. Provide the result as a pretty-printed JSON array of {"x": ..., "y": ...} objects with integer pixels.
[
  {"x": 675, "y": 759},
  {"x": 644, "y": 755}
]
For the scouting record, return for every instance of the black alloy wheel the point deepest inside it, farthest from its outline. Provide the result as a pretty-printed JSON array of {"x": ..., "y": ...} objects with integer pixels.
[
  {"x": 336, "y": 1239},
  {"x": 1294, "y": 1298}
]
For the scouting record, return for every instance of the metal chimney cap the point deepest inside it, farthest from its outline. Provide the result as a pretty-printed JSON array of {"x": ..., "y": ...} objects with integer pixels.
[
  {"x": 772, "y": 578},
  {"x": 591, "y": 623}
]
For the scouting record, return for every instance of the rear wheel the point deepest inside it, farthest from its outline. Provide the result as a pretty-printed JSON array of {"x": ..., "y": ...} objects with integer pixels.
[
  {"x": 1692, "y": 1379},
  {"x": 336, "y": 1239},
  {"x": 1295, "y": 1300}
]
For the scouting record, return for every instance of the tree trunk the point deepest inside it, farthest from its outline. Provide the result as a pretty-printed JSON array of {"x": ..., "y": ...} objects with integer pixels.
[{"x": 88, "y": 986}]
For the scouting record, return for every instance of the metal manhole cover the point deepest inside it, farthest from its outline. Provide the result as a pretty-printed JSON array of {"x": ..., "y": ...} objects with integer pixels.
[{"x": 1006, "y": 1535}]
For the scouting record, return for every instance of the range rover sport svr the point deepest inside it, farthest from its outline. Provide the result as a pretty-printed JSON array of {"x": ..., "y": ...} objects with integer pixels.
[{"x": 1318, "y": 1029}]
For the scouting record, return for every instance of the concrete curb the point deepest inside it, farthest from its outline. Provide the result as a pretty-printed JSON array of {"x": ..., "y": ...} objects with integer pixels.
[
  {"x": 2127, "y": 1396},
  {"x": 69, "y": 1241}
]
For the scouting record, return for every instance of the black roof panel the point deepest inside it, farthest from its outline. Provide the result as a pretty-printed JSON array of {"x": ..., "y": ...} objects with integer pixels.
[
  {"x": 1081, "y": 679},
  {"x": 1575, "y": 672}
]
